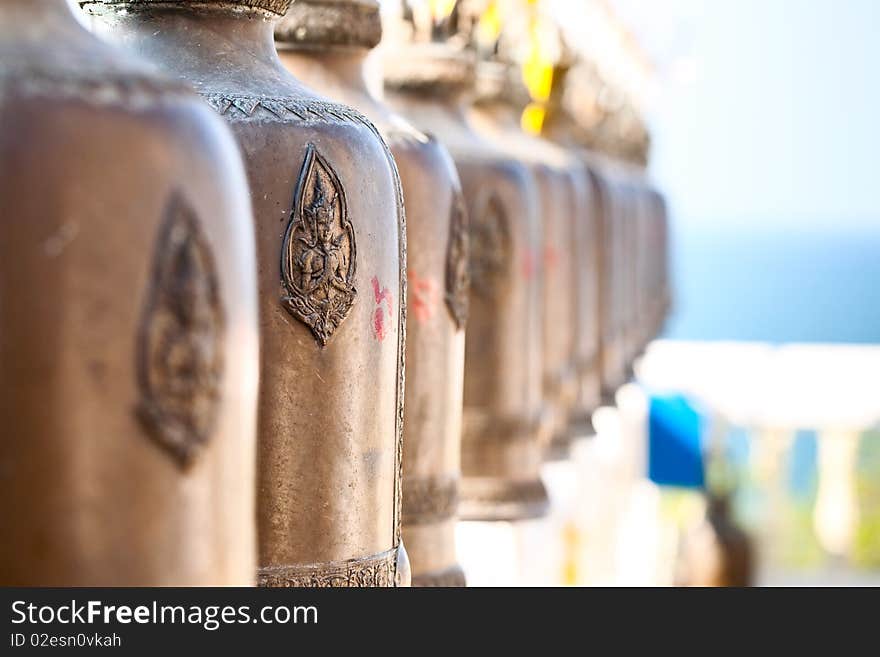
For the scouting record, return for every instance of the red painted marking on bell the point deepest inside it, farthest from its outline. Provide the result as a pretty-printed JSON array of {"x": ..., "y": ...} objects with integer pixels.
[
  {"x": 551, "y": 256},
  {"x": 379, "y": 324},
  {"x": 423, "y": 296},
  {"x": 529, "y": 264},
  {"x": 381, "y": 294}
]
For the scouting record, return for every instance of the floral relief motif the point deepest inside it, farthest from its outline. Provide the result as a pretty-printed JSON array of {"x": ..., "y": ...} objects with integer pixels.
[
  {"x": 318, "y": 258},
  {"x": 458, "y": 275},
  {"x": 488, "y": 245},
  {"x": 180, "y": 358},
  {"x": 374, "y": 571}
]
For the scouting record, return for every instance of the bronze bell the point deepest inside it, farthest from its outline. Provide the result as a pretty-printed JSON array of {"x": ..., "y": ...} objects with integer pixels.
[
  {"x": 643, "y": 247},
  {"x": 501, "y": 440},
  {"x": 587, "y": 258},
  {"x": 129, "y": 330},
  {"x": 659, "y": 293},
  {"x": 520, "y": 26},
  {"x": 632, "y": 191},
  {"x": 617, "y": 277},
  {"x": 325, "y": 44},
  {"x": 647, "y": 259},
  {"x": 613, "y": 296},
  {"x": 331, "y": 257},
  {"x": 588, "y": 305},
  {"x": 580, "y": 137},
  {"x": 619, "y": 136},
  {"x": 636, "y": 144},
  {"x": 564, "y": 200},
  {"x": 606, "y": 138},
  {"x": 594, "y": 255},
  {"x": 599, "y": 376},
  {"x": 640, "y": 263}
]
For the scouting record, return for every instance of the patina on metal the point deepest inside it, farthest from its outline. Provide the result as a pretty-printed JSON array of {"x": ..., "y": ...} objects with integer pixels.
[
  {"x": 331, "y": 255},
  {"x": 129, "y": 327},
  {"x": 325, "y": 44},
  {"x": 502, "y": 444}
]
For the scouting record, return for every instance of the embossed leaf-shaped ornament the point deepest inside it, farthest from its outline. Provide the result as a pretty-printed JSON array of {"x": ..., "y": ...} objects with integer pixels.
[
  {"x": 318, "y": 255},
  {"x": 488, "y": 245},
  {"x": 180, "y": 357},
  {"x": 458, "y": 276}
]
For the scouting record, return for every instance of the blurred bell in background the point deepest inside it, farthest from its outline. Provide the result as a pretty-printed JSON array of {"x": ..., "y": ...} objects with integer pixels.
[{"x": 729, "y": 193}]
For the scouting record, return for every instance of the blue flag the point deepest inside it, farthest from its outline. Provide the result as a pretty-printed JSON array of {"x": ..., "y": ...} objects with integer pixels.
[{"x": 675, "y": 442}]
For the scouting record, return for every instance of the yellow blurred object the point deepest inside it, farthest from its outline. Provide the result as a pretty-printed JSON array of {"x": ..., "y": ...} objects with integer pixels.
[
  {"x": 538, "y": 76},
  {"x": 571, "y": 538},
  {"x": 441, "y": 9},
  {"x": 489, "y": 26},
  {"x": 541, "y": 56},
  {"x": 532, "y": 120}
]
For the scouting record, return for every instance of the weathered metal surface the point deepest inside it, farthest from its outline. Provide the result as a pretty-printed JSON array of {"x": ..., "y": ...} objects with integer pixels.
[
  {"x": 564, "y": 206},
  {"x": 324, "y": 45},
  {"x": 128, "y": 331},
  {"x": 331, "y": 253},
  {"x": 502, "y": 439}
]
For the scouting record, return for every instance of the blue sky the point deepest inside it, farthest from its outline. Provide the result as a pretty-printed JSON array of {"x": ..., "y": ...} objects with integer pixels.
[
  {"x": 767, "y": 138},
  {"x": 770, "y": 116}
]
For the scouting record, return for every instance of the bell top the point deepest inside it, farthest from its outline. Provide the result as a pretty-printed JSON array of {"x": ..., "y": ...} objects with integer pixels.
[
  {"x": 223, "y": 49},
  {"x": 500, "y": 82},
  {"x": 323, "y": 24},
  {"x": 30, "y": 32},
  {"x": 430, "y": 69},
  {"x": 273, "y": 8}
]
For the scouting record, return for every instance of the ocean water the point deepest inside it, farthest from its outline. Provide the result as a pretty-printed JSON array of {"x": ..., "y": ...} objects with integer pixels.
[{"x": 775, "y": 284}]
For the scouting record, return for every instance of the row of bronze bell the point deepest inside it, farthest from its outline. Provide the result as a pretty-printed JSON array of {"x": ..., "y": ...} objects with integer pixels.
[{"x": 178, "y": 295}]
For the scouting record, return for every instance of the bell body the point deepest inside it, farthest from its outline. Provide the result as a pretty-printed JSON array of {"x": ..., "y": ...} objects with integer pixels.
[
  {"x": 593, "y": 268},
  {"x": 629, "y": 199},
  {"x": 647, "y": 274},
  {"x": 564, "y": 204},
  {"x": 129, "y": 331},
  {"x": 631, "y": 227},
  {"x": 634, "y": 193},
  {"x": 502, "y": 423},
  {"x": 645, "y": 251},
  {"x": 589, "y": 308},
  {"x": 437, "y": 272},
  {"x": 331, "y": 264},
  {"x": 611, "y": 264},
  {"x": 602, "y": 379},
  {"x": 658, "y": 294}
]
